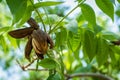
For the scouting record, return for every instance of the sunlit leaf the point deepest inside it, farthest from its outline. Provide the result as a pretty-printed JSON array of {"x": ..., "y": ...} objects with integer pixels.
[
  {"x": 48, "y": 63},
  {"x": 47, "y": 3},
  {"x": 107, "y": 7},
  {"x": 80, "y": 18},
  {"x": 3, "y": 43},
  {"x": 13, "y": 41},
  {"x": 27, "y": 13},
  {"x": 4, "y": 29},
  {"x": 74, "y": 42},
  {"x": 88, "y": 14},
  {"x": 102, "y": 51},
  {"x": 116, "y": 49},
  {"x": 89, "y": 44},
  {"x": 61, "y": 38},
  {"x": 110, "y": 36},
  {"x": 17, "y": 8},
  {"x": 79, "y": 0}
]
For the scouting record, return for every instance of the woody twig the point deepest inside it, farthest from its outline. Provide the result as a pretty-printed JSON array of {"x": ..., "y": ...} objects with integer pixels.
[{"x": 24, "y": 68}]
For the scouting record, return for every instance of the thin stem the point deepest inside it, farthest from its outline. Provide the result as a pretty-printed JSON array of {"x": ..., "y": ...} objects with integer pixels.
[
  {"x": 22, "y": 67},
  {"x": 39, "y": 15},
  {"x": 30, "y": 63},
  {"x": 32, "y": 69},
  {"x": 37, "y": 65},
  {"x": 46, "y": 16},
  {"x": 67, "y": 15},
  {"x": 25, "y": 67},
  {"x": 95, "y": 75},
  {"x": 61, "y": 60}
]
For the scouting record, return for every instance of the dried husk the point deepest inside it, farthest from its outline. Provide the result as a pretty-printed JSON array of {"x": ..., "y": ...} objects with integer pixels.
[
  {"x": 39, "y": 41},
  {"x": 28, "y": 48},
  {"x": 21, "y": 33}
]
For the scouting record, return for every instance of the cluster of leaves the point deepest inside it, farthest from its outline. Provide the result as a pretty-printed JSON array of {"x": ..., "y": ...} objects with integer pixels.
[{"x": 77, "y": 41}]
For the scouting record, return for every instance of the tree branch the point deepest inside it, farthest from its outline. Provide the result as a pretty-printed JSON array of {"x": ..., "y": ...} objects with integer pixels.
[
  {"x": 96, "y": 75},
  {"x": 68, "y": 76},
  {"x": 32, "y": 69},
  {"x": 24, "y": 68}
]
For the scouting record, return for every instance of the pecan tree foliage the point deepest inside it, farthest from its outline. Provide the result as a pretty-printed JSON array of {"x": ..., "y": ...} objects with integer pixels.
[
  {"x": 37, "y": 39},
  {"x": 86, "y": 33}
]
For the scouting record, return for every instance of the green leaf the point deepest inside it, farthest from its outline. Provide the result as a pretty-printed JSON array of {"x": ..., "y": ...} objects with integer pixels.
[
  {"x": 118, "y": 12},
  {"x": 54, "y": 77},
  {"x": 0, "y": 0},
  {"x": 4, "y": 29},
  {"x": 88, "y": 14},
  {"x": 116, "y": 49},
  {"x": 47, "y": 3},
  {"x": 26, "y": 15},
  {"x": 83, "y": 69},
  {"x": 61, "y": 37},
  {"x": 110, "y": 36},
  {"x": 3, "y": 43},
  {"x": 13, "y": 41},
  {"x": 48, "y": 63},
  {"x": 97, "y": 29},
  {"x": 112, "y": 54},
  {"x": 72, "y": 26},
  {"x": 74, "y": 42},
  {"x": 118, "y": 1},
  {"x": 79, "y": 0},
  {"x": 89, "y": 44},
  {"x": 17, "y": 8},
  {"x": 102, "y": 51},
  {"x": 107, "y": 7}
]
